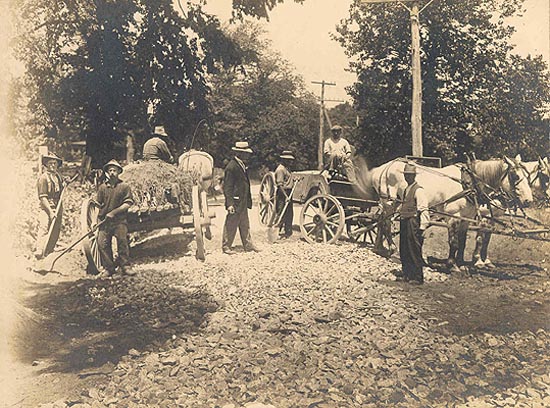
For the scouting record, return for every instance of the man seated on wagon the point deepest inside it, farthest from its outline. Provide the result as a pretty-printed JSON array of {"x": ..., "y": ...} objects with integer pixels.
[
  {"x": 156, "y": 147},
  {"x": 337, "y": 151}
]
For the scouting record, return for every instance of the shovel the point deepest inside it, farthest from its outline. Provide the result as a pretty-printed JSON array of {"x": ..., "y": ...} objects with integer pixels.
[
  {"x": 42, "y": 267},
  {"x": 272, "y": 229}
]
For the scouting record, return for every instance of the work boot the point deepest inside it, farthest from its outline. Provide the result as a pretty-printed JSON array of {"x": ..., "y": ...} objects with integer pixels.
[
  {"x": 252, "y": 248},
  {"x": 228, "y": 251},
  {"x": 124, "y": 271}
]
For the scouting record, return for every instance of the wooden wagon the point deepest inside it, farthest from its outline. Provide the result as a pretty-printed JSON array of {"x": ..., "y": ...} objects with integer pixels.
[
  {"x": 329, "y": 206},
  {"x": 196, "y": 217}
]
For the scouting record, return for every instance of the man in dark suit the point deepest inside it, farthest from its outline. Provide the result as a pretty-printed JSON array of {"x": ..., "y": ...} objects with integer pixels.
[{"x": 238, "y": 199}]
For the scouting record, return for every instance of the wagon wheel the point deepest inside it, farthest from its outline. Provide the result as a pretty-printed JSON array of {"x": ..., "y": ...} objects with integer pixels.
[
  {"x": 268, "y": 199},
  {"x": 370, "y": 222},
  {"x": 88, "y": 219},
  {"x": 322, "y": 219},
  {"x": 364, "y": 236},
  {"x": 197, "y": 222}
]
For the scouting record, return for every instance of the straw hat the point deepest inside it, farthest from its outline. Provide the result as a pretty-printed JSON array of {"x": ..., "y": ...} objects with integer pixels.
[
  {"x": 287, "y": 154},
  {"x": 51, "y": 156},
  {"x": 242, "y": 147},
  {"x": 112, "y": 163},
  {"x": 410, "y": 168},
  {"x": 336, "y": 128},
  {"x": 159, "y": 131}
]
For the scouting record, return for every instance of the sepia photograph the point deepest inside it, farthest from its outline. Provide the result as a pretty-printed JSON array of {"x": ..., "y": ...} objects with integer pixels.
[{"x": 275, "y": 203}]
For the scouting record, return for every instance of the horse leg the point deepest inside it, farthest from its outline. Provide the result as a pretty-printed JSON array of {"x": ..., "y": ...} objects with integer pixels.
[
  {"x": 476, "y": 256},
  {"x": 453, "y": 246},
  {"x": 462, "y": 233},
  {"x": 484, "y": 249}
]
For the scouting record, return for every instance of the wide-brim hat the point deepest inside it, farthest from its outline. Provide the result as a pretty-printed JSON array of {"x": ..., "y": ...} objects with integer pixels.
[
  {"x": 112, "y": 163},
  {"x": 160, "y": 131},
  {"x": 409, "y": 169},
  {"x": 287, "y": 154},
  {"x": 336, "y": 128},
  {"x": 51, "y": 156},
  {"x": 242, "y": 147}
]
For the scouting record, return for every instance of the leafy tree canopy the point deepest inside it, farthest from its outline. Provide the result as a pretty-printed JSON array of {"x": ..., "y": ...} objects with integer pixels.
[
  {"x": 95, "y": 68},
  {"x": 476, "y": 94}
]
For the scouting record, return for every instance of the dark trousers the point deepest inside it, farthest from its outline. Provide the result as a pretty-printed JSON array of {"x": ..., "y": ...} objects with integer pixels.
[
  {"x": 232, "y": 222},
  {"x": 104, "y": 242},
  {"x": 410, "y": 249},
  {"x": 288, "y": 216}
]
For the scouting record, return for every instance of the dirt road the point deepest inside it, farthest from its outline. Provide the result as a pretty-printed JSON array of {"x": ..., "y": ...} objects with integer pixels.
[{"x": 296, "y": 325}]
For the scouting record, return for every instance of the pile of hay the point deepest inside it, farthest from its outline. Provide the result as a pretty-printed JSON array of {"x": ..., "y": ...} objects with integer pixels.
[{"x": 156, "y": 183}]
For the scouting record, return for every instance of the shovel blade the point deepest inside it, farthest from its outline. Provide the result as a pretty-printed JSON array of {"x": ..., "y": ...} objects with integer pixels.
[{"x": 272, "y": 234}]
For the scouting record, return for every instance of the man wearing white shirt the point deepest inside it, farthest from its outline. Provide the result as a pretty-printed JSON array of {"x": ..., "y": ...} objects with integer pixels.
[
  {"x": 337, "y": 152},
  {"x": 415, "y": 219}
]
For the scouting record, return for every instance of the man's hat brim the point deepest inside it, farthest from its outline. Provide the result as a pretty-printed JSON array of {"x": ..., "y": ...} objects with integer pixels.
[
  {"x": 118, "y": 166},
  {"x": 238, "y": 149},
  {"x": 51, "y": 156}
]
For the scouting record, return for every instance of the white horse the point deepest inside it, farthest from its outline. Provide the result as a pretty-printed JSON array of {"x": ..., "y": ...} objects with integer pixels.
[
  {"x": 446, "y": 194},
  {"x": 539, "y": 179},
  {"x": 201, "y": 166}
]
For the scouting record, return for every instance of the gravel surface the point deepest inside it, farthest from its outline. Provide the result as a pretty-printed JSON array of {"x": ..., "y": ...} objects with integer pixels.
[{"x": 296, "y": 325}]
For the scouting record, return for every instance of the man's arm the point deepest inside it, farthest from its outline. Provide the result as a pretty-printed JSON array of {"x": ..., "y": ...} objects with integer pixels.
[
  {"x": 423, "y": 209},
  {"x": 43, "y": 196},
  {"x": 165, "y": 152},
  {"x": 127, "y": 202},
  {"x": 229, "y": 187}
]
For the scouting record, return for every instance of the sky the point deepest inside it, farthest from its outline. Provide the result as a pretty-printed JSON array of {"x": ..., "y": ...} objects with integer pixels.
[{"x": 301, "y": 33}]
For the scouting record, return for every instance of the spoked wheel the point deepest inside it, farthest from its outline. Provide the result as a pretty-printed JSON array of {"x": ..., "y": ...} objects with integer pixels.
[
  {"x": 268, "y": 199},
  {"x": 322, "y": 219},
  {"x": 363, "y": 228},
  {"x": 197, "y": 222},
  {"x": 88, "y": 219}
]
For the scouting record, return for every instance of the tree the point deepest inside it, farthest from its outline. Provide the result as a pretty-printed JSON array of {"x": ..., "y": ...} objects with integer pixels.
[
  {"x": 95, "y": 67},
  {"x": 262, "y": 101},
  {"x": 468, "y": 78}
]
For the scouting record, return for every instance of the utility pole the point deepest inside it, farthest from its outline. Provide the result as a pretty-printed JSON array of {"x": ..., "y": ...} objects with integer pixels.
[
  {"x": 416, "y": 109},
  {"x": 321, "y": 121}
]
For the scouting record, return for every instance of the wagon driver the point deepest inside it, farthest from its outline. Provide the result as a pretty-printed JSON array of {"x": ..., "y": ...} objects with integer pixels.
[
  {"x": 415, "y": 219},
  {"x": 337, "y": 152},
  {"x": 114, "y": 197},
  {"x": 238, "y": 199},
  {"x": 156, "y": 148},
  {"x": 50, "y": 185}
]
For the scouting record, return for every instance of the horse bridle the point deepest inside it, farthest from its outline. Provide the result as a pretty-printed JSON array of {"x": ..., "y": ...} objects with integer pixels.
[
  {"x": 543, "y": 176},
  {"x": 514, "y": 179}
]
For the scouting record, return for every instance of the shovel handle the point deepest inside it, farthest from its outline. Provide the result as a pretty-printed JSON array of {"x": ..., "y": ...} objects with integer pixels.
[{"x": 94, "y": 229}]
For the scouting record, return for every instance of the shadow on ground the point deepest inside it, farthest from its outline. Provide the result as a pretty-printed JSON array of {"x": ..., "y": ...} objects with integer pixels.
[
  {"x": 168, "y": 246},
  {"x": 91, "y": 322},
  {"x": 510, "y": 298}
]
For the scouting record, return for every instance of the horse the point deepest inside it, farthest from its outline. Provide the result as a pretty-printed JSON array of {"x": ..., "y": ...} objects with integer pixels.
[
  {"x": 201, "y": 167},
  {"x": 446, "y": 194},
  {"x": 539, "y": 179}
]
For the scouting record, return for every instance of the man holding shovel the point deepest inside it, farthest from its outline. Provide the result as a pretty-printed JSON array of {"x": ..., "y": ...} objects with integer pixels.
[
  {"x": 283, "y": 179},
  {"x": 114, "y": 197},
  {"x": 50, "y": 186}
]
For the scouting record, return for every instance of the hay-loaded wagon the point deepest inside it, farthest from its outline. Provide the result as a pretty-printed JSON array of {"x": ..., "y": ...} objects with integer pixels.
[
  {"x": 164, "y": 197},
  {"x": 330, "y": 205}
]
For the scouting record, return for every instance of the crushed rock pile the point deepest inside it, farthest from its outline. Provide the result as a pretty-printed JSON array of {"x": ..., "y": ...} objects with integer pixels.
[{"x": 312, "y": 326}]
